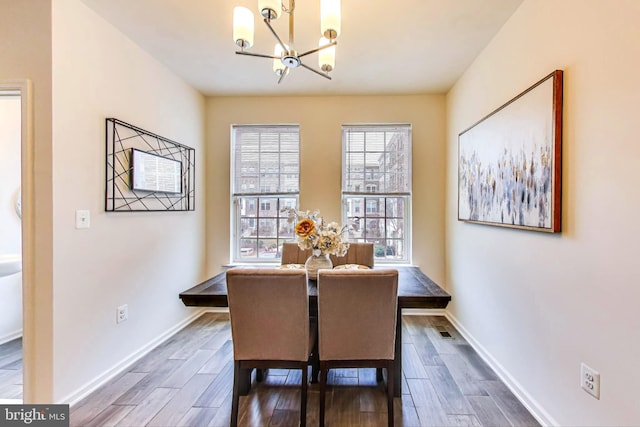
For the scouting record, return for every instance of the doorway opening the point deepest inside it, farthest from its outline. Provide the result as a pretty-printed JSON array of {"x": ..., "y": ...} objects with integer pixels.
[{"x": 15, "y": 251}]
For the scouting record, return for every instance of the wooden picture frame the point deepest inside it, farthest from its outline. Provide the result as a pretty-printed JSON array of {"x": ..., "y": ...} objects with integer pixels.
[{"x": 510, "y": 162}]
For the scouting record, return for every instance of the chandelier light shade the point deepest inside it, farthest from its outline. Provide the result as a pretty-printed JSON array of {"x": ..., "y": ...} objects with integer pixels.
[
  {"x": 326, "y": 57},
  {"x": 330, "y": 18},
  {"x": 286, "y": 56},
  {"x": 243, "y": 27}
]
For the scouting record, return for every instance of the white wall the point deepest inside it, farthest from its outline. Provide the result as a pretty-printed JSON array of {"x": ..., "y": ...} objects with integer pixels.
[
  {"x": 320, "y": 119},
  {"x": 10, "y": 240},
  {"x": 541, "y": 304},
  {"x": 142, "y": 259}
]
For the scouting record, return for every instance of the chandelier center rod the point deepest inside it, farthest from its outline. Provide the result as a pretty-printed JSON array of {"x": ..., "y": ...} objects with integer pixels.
[
  {"x": 291, "y": 36},
  {"x": 292, "y": 7}
]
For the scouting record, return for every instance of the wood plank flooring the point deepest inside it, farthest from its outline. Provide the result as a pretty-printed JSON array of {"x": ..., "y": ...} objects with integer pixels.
[
  {"x": 11, "y": 369},
  {"x": 187, "y": 381}
]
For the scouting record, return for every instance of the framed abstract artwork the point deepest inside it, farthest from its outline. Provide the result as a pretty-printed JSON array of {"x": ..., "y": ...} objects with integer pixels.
[{"x": 510, "y": 162}]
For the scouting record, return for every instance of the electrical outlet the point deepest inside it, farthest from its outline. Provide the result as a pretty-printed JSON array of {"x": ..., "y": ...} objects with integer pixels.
[
  {"x": 122, "y": 313},
  {"x": 590, "y": 380}
]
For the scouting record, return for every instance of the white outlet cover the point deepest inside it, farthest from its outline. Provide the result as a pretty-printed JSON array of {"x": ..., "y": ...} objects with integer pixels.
[
  {"x": 122, "y": 313},
  {"x": 590, "y": 380}
]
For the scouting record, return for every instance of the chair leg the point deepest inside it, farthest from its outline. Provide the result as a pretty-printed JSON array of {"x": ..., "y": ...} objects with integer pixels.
[
  {"x": 323, "y": 384},
  {"x": 315, "y": 358},
  {"x": 390, "y": 393},
  {"x": 303, "y": 397},
  {"x": 260, "y": 374},
  {"x": 315, "y": 368},
  {"x": 236, "y": 394},
  {"x": 379, "y": 374}
]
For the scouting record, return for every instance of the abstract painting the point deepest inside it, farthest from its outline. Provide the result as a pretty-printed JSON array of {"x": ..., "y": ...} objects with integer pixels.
[{"x": 510, "y": 162}]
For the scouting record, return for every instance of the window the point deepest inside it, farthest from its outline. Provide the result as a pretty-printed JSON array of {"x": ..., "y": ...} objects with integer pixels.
[
  {"x": 259, "y": 228},
  {"x": 377, "y": 158}
]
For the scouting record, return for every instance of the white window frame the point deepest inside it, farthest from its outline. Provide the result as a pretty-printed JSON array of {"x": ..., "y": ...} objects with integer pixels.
[
  {"x": 356, "y": 193},
  {"x": 238, "y": 254}
]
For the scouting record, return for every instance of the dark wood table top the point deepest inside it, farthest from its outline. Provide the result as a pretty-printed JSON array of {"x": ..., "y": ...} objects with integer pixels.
[{"x": 415, "y": 290}]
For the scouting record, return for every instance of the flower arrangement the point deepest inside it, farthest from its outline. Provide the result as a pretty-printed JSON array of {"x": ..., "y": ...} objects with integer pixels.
[{"x": 313, "y": 233}]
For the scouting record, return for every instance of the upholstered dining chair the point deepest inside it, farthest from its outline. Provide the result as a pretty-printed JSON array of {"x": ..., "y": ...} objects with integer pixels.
[
  {"x": 292, "y": 254},
  {"x": 358, "y": 253},
  {"x": 357, "y": 324},
  {"x": 269, "y": 310}
]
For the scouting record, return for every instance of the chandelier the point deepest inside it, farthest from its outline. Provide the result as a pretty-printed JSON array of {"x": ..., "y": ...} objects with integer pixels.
[{"x": 285, "y": 57}]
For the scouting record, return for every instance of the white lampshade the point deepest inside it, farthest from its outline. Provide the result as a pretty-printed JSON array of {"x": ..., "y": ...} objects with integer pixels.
[
  {"x": 270, "y": 9},
  {"x": 330, "y": 18},
  {"x": 327, "y": 56},
  {"x": 278, "y": 66},
  {"x": 243, "y": 27}
]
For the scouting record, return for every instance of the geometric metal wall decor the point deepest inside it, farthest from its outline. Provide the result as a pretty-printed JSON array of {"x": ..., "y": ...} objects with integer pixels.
[{"x": 164, "y": 171}]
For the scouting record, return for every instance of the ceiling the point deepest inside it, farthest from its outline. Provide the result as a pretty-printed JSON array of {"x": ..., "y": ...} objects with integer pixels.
[{"x": 408, "y": 47}]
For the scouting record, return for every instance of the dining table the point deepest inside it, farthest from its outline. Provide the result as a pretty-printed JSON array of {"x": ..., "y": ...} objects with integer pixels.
[{"x": 415, "y": 290}]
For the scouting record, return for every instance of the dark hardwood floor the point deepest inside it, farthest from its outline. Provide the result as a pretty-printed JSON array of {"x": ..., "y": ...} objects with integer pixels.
[
  {"x": 11, "y": 369},
  {"x": 187, "y": 381}
]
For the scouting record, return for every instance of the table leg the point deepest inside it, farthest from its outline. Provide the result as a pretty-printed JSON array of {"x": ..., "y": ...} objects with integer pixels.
[{"x": 397, "y": 363}]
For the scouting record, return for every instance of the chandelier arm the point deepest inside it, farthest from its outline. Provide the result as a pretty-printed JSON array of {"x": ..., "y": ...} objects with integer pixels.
[
  {"x": 284, "y": 47},
  {"x": 317, "y": 49},
  {"x": 260, "y": 55},
  {"x": 316, "y": 71},
  {"x": 283, "y": 75}
]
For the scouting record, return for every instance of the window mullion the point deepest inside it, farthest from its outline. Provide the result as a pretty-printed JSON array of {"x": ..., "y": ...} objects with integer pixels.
[{"x": 259, "y": 169}]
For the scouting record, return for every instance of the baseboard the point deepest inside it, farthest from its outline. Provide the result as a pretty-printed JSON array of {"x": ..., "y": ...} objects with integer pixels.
[
  {"x": 11, "y": 336},
  {"x": 516, "y": 388},
  {"x": 109, "y": 374},
  {"x": 405, "y": 311},
  {"x": 423, "y": 312},
  {"x": 215, "y": 310}
]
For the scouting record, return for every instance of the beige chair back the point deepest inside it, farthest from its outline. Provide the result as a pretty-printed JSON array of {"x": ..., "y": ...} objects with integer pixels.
[
  {"x": 292, "y": 254},
  {"x": 269, "y": 310},
  {"x": 358, "y": 253},
  {"x": 357, "y": 314}
]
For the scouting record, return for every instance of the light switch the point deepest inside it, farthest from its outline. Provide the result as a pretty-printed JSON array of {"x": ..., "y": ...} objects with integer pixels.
[{"x": 83, "y": 219}]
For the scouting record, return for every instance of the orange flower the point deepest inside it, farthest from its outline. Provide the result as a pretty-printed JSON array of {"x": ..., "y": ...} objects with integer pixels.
[{"x": 305, "y": 228}]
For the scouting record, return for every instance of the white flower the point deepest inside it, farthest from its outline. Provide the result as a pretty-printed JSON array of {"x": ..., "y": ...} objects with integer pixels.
[{"x": 321, "y": 238}]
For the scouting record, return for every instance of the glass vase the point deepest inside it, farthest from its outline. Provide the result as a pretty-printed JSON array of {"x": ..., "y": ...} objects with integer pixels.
[{"x": 315, "y": 263}]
